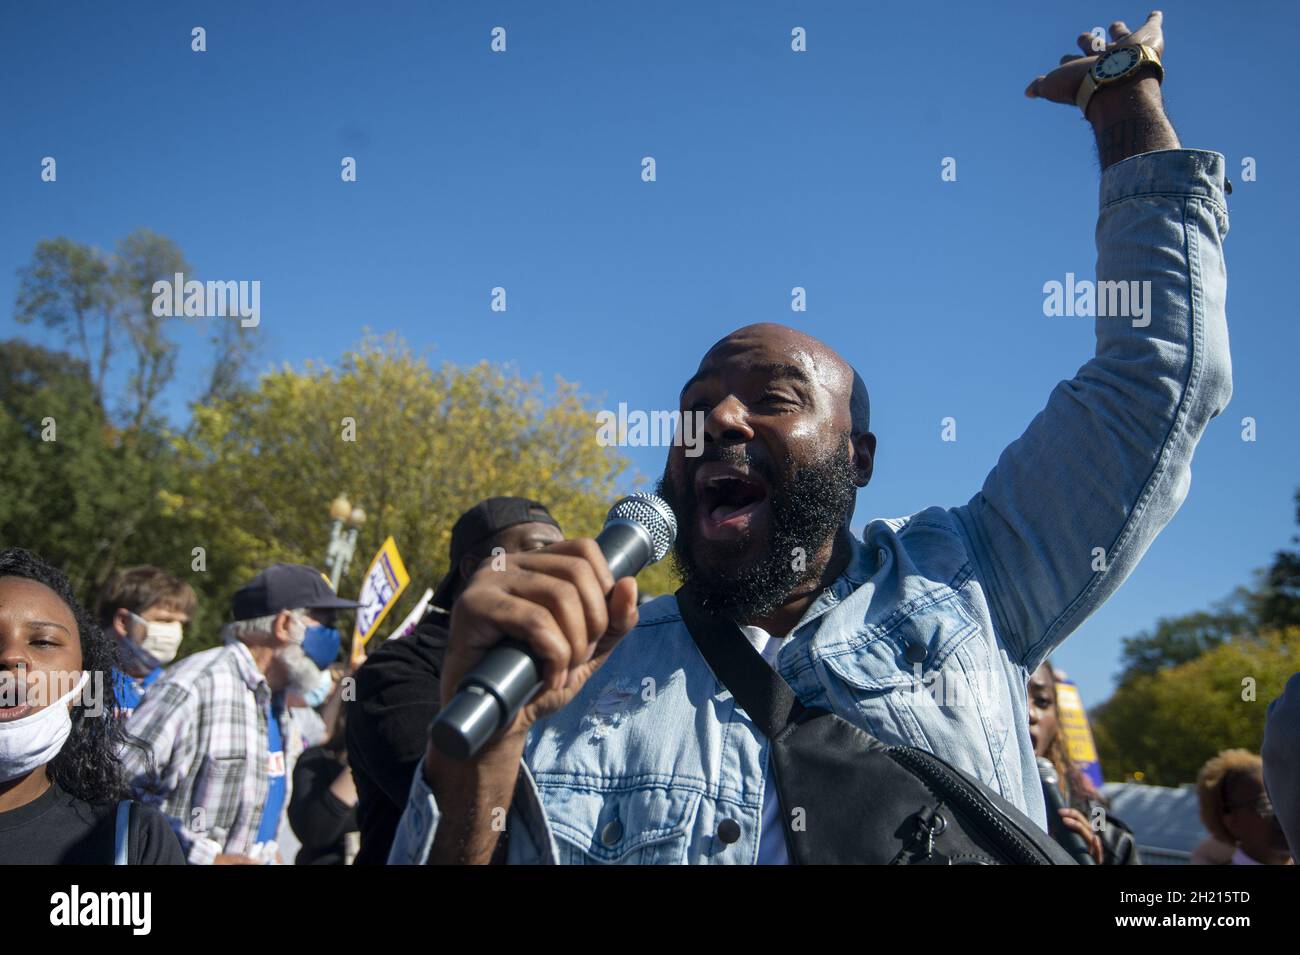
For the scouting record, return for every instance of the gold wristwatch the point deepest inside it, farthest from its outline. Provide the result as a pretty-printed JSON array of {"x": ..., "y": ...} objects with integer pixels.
[{"x": 1116, "y": 66}]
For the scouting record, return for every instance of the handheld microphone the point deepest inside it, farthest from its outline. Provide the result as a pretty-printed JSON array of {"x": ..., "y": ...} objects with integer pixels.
[
  {"x": 639, "y": 530},
  {"x": 1070, "y": 840}
]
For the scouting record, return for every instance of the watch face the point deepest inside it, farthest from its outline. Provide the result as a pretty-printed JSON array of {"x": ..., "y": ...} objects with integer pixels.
[{"x": 1116, "y": 63}]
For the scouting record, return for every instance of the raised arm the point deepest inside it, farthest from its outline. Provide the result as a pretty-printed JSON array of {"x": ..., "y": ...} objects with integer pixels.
[
  {"x": 1074, "y": 502},
  {"x": 1128, "y": 115}
]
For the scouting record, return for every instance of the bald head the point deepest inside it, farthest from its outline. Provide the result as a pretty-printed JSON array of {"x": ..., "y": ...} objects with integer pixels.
[
  {"x": 821, "y": 363},
  {"x": 785, "y": 447}
]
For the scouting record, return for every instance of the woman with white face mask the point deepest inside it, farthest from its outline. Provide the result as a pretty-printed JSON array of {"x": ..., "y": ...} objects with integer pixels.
[
  {"x": 145, "y": 609},
  {"x": 60, "y": 785}
]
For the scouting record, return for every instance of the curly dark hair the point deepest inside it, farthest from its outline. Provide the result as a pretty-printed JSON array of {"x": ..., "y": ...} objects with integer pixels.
[{"x": 88, "y": 767}]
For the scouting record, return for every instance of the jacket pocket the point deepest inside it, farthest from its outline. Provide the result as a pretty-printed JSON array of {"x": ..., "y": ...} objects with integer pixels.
[
  {"x": 632, "y": 825},
  {"x": 925, "y": 679}
]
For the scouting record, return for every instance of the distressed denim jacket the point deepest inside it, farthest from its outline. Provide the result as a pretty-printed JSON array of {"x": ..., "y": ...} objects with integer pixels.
[{"x": 928, "y": 637}]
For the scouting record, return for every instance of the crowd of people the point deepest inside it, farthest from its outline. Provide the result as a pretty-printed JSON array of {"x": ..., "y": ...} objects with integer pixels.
[
  {"x": 635, "y": 748},
  {"x": 205, "y": 760},
  {"x": 214, "y": 754}
]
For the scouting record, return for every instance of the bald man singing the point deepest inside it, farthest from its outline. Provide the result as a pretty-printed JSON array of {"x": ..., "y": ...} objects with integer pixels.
[{"x": 634, "y": 752}]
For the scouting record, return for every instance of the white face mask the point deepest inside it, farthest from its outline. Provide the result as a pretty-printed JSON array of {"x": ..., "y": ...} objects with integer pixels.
[
  {"x": 34, "y": 740},
  {"x": 161, "y": 641}
]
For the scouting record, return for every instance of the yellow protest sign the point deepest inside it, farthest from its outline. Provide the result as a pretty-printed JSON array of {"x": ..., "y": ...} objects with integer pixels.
[{"x": 384, "y": 582}]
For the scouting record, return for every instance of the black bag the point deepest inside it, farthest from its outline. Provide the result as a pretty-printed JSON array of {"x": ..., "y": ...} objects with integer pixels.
[{"x": 846, "y": 797}]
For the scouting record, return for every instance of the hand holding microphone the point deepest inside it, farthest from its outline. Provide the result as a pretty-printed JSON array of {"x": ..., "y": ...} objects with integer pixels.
[{"x": 561, "y": 611}]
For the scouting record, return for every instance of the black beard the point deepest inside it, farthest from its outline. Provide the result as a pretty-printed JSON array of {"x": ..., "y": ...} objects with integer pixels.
[{"x": 807, "y": 507}]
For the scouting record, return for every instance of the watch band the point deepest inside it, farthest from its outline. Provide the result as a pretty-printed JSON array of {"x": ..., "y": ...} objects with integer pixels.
[{"x": 1147, "y": 56}]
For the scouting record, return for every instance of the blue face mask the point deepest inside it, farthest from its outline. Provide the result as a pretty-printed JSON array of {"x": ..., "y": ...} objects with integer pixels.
[{"x": 321, "y": 644}]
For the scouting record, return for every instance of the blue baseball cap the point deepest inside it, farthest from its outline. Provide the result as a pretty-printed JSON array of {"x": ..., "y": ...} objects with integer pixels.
[{"x": 286, "y": 587}]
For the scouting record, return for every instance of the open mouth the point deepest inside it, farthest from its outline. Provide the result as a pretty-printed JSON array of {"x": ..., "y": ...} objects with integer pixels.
[
  {"x": 729, "y": 499},
  {"x": 13, "y": 706},
  {"x": 10, "y": 713}
]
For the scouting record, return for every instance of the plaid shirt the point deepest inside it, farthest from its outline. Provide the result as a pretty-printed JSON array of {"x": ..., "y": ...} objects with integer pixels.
[{"x": 197, "y": 750}]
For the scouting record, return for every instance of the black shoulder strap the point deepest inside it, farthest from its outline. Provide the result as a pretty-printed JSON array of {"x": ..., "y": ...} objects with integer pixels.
[{"x": 757, "y": 687}]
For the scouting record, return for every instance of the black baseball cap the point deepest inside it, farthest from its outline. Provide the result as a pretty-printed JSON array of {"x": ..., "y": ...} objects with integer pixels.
[
  {"x": 286, "y": 587},
  {"x": 482, "y": 521}
]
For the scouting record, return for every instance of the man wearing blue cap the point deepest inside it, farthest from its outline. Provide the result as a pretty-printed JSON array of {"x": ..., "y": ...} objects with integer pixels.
[{"x": 213, "y": 745}]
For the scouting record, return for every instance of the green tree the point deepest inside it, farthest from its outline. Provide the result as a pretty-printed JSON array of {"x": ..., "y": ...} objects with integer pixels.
[
  {"x": 413, "y": 445},
  {"x": 1176, "y": 640},
  {"x": 75, "y": 488},
  {"x": 97, "y": 490},
  {"x": 1165, "y": 725},
  {"x": 1277, "y": 602},
  {"x": 101, "y": 304},
  {"x": 67, "y": 287},
  {"x": 1273, "y": 604}
]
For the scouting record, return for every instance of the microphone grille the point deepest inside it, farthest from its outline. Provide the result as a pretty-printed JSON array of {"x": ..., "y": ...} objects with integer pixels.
[{"x": 651, "y": 512}]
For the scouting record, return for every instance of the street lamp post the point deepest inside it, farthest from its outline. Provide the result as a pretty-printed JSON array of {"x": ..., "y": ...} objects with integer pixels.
[{"x": 345, "y": 522}]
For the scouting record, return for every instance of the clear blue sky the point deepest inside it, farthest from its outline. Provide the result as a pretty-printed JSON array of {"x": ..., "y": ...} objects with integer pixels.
[{"x": 775, "y": 169}]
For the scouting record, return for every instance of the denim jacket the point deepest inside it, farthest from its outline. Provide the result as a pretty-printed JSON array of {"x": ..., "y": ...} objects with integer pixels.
[{"x": 929, "y": 635}]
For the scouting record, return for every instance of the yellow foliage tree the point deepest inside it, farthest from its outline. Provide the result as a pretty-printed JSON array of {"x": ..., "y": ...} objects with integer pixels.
[
  {"x": 1165, "y": 725},
  {"x": 413, "y": 445}
]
